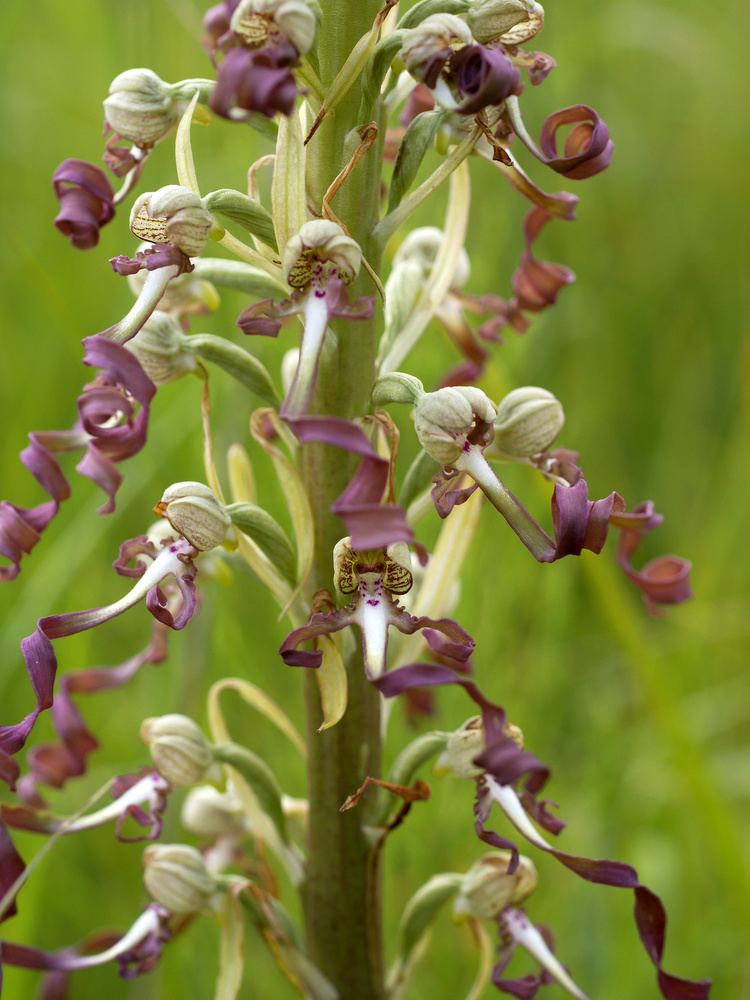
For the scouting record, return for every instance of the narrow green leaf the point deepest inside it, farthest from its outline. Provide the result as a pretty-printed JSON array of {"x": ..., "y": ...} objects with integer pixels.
[
  {"x": 236, "y": 362},
  {"x": 417, "y": 478},
  {"x": 238, "y": 207},
  {"x": 267, "y": 534},
  {"x": 418, "y": 139},
  {"x": 372, "y": 78}
]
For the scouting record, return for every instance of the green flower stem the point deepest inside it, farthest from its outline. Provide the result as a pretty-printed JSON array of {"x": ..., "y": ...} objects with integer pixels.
[{"x": 342, "y": 898}]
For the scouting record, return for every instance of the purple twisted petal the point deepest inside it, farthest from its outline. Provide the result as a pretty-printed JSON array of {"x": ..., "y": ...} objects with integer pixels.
[
  {"x": 587, "y": 150},
  {"x": 41, "y": 662},
  {"x": 370, "y": 523},
  {"x": 86, "y": 202},
  {"x": 650, "y": 915}
]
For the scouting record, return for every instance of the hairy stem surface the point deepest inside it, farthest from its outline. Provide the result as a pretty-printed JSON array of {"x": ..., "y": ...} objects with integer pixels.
[{"x": 342, "y": 905}]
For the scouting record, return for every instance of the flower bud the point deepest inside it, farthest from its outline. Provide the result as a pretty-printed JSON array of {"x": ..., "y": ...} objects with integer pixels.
[
  {"x": 161, "y": 348},
  {"x": 140, "y": 107},
  {"x": 465, "y": 744},
  {"x": 528, "y": 421},
  {"x": 444, "y": 419},
  {"x": 193, "y": 510},
  {"x": 422, "y": 246},
  {"x": 176, "y": 876},
  {"x": 209, "y": 813},
  {"x": 434, "y": 39},
  {"x": 178, "y": 748},
  {"x": 487, "y": 888},
  {"x": 319, "y": 249},
  {"x": 261, "y": 22},
  {"x": 397, "y": 387},
  {"x": 175, "y": 215},
  {"x": 511, "y": 22}
]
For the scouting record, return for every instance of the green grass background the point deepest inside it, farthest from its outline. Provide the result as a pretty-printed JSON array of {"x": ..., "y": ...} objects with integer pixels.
[{"x": 644, "y": 721}]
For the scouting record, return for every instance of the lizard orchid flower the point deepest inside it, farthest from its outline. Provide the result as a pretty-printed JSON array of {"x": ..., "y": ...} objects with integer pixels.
[
  {"x": 265, "y": 39},
  {"x": 319, "y": 262},
  {"x": 374, "y": 579}
]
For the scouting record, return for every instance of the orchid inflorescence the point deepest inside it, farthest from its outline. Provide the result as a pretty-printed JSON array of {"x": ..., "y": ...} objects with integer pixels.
[{"x": 445, "y": 76}]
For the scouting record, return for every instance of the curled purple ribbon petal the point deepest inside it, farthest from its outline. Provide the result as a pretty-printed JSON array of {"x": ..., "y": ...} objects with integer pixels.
[
  {"x": 370, "y": 523},
  {"x": 587, "y": 150},
  {"x": 86, "y": 202},
  {"x": 537, "y": 283},
  {"x": 650, "y": 915},
  {"x": 41, "y": 662}
]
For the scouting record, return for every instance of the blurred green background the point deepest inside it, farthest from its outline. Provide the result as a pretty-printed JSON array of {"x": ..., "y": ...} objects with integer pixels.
[{"x": 645, "y": 722}]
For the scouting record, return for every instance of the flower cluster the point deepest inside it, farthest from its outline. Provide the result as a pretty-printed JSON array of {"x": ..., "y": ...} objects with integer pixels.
[{"x": 370, "y": 613}]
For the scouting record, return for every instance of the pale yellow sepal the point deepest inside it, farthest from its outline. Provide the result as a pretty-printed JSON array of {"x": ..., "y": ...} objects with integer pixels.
[
  {"x": 288, "y": 197},
  {"x": 267, "y": 707},
  {"x": 442, "y": 274},
  {"x": 292, "y": 487},
  {"x": 231, "y": 948},
  {"x": 188, "y": 178},
  {"x": 332, "y": 683}
]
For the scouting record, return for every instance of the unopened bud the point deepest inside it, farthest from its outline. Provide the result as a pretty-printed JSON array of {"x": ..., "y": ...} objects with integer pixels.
[
  {"x": 511, "y": 22},
  {"x": 487, "y": 888},
  {"x": 259, "y": 22},
  {"x": 422, "y": 246},
  {"x": 193, "y": 510},
  {"x": 321, "y": 248},
  {"x": 209, "y": 813},
  {"x": 176, "y": 876},
  {"x": 437, "y": 35},
  {"x": 528, "y": 421},
  {"x": 175, "y": 215},
  {"x": 141, "y": 107},
  {"x": 464, "y": 746},
  {"x": 161, "y": 348},
  {"x": 178, "y": 748},
  {"x": 397, "y": 387},
  {"x": 444, "y": 419}
]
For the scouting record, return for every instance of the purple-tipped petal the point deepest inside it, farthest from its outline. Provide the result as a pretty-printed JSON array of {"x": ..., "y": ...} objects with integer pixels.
[
  {"x": 370, "y": 523},
  {"x": 426, "y": 675},
  {"x": 39, "y": 656},
  {"x": 262, "y": 319},
  {"x": 320, "y": 623},
  {"x": 54, "y": 764},
  {"x": 86, "y": 202},
  {"x": 256, "y": 81},
  {"x": 11, "y": 867},
  {"x": 537, "y": 283},
  {"x": 587, "y": 150},
  {"x": 650, "y": 916},
  {"x": 664, "y": 580}
]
